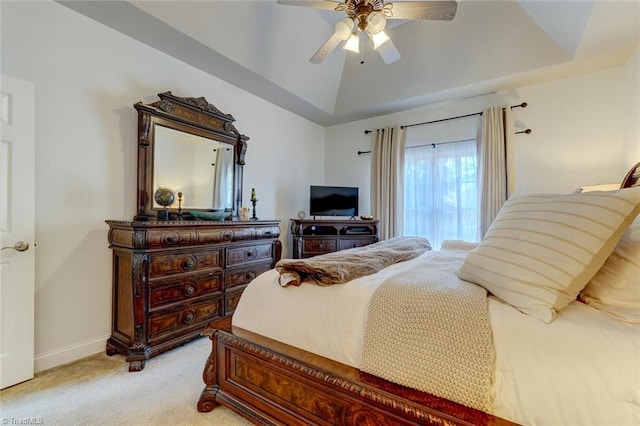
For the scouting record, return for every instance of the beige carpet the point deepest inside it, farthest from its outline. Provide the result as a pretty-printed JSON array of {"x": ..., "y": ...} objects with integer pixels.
[{"x": 100, "y": 390}]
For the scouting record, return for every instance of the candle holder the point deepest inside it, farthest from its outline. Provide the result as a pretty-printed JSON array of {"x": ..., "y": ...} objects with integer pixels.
[
  {"x": 253, "y": 203},
  {"x": 179, "y": 205}
]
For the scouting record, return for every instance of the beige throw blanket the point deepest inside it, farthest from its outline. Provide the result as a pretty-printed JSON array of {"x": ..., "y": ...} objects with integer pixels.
[
  {"x": 428, "y": 330},
  {"x": 346, "y": 265}
]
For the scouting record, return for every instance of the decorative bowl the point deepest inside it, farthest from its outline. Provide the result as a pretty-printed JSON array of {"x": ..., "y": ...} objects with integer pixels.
[
  {"x": 366, "y": 217},
  {"x": 210, "y": 215}
]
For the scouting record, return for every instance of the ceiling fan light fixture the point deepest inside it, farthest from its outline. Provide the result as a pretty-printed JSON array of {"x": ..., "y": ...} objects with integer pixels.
[
  {"x": 353, "y": 44},
  {"x": 376, "y": 21},
  {"x": 370, "y": 17},
  {"x": 379, "y": 39},
  {"x": 344, "y": 28}
]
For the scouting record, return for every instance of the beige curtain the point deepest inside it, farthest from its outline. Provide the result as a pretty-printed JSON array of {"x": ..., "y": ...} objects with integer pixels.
[
  {"x": 387, "y": 176},
  {"x": 495, "y": 163}
]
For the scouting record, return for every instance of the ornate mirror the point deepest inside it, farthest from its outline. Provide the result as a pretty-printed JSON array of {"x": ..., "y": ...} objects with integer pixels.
[{"x": 188, "y": 146}]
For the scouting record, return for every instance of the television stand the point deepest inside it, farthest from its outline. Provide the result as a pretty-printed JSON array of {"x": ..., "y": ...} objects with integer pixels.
[{"x": 312, "y": 237}]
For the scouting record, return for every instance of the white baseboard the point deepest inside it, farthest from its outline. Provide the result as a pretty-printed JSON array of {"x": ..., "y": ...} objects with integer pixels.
[{"x": 69, "y": 354}]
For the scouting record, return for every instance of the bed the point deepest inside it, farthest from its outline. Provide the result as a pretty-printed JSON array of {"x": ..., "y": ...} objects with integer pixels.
[{"x": 295, "y": 354}]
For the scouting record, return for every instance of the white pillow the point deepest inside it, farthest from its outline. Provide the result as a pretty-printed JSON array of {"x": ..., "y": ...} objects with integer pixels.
[
  {"x": 615, "y": 289},
  {"x": 541, "y": 250},
  {"x": 600, "y": 187}
]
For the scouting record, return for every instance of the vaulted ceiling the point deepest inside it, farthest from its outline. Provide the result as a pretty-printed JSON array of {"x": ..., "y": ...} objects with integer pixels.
[{"x": 489, "y": 46}]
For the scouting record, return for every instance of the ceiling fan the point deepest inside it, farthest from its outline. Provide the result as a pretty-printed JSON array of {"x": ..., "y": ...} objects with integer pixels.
[{"x": 370, "y": 17}]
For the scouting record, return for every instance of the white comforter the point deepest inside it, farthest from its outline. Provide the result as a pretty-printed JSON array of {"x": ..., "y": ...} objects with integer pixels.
[{"x": 581, "y": 369}]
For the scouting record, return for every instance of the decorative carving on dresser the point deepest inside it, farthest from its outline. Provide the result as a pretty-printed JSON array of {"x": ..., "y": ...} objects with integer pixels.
[{"x": 175, "y": 275}]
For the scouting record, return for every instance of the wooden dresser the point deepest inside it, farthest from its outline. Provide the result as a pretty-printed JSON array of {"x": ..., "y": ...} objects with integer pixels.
[
  {"x": 313, "y": 237},
  {"x": 173, "y": 279}
]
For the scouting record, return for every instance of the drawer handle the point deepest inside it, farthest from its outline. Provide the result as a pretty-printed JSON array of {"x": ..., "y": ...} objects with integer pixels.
[
  {"x": 188, "y": 317},
  {"x": 251, "y": 253},
  {"x": 249, "y": 276},
  {"x": 189, "y": 263},
  {"x": 189, "y": 289},
  {"x": 172, "y": 238},
  {"x": 267, "y": 232}
]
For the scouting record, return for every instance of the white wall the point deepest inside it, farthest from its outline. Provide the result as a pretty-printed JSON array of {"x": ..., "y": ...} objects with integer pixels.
[
  {"x": 583, "y": 132},
  {"x": 578, "y": 134},
  {"x": 632, "y": 145},
  {"x": 87, "y": 77}
]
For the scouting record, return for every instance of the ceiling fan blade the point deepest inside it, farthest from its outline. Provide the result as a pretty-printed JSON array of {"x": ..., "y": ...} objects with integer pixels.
[
  {"x": 435, "y": 10},
  {"x": 326, "y": 48},
  {"x": 317, "y": 4},
  {"x": 388, "y": 52}
]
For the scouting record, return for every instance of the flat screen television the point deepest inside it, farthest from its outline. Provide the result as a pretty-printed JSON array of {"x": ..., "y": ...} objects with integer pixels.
[{"x": 333, "y": 201}]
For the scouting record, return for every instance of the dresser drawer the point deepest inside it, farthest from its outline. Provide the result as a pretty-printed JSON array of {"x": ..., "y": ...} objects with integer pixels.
[
  {"x": 170, "y": 238},
  {"x": 167, "y": 264},
  {"x": 245, "y": 275},
  {"x": 167, "y": 324},
  {"x": 359, "y": 242},
  {"x": 244, "y": 254},
  {"x": 183, "y": 287},
  {"x": 319, "y": 245},
  {"x": 231, "y": 299}
]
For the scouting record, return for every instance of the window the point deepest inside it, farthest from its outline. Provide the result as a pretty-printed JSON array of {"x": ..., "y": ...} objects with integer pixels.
[{"x": 441, "y": 191}]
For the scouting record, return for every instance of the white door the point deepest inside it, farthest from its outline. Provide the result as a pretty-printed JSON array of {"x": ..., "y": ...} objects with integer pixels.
[{"x": 17, "y": 213}]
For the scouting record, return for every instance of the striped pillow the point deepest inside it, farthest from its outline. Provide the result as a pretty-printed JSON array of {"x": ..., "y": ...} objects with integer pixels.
[
  {"x": 541, "y": 250},
  {"x": 615, "y": 289}
]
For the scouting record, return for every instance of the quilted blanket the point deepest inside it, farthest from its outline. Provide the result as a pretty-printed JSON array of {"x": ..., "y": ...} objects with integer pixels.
[
  {"x": 429, "y": 330},
  {"x": 346, "y": 265}
]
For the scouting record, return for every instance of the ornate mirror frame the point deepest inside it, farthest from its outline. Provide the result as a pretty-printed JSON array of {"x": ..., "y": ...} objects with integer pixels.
[{"x": 189, "y": 115}]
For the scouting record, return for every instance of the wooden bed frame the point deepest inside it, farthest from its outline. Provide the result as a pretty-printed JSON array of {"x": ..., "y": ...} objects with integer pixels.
[
  {"x": 632, "y": 178},
  {"x": 269, "y": 382}
]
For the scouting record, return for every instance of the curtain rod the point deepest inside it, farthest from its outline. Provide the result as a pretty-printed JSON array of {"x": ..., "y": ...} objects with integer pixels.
[
  {"x": 522, "y": 105},
  {"x": 426, "y": 144},
  {"x": 433, "y": 145},
  {"x": 527, "y": 131}
]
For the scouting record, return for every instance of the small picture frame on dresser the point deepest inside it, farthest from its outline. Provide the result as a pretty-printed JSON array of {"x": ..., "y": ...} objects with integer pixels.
[{"x": 243, "y": 214}]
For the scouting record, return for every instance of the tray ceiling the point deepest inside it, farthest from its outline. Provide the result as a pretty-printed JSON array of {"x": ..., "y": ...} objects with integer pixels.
[{"x": 490, "y": 46}]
